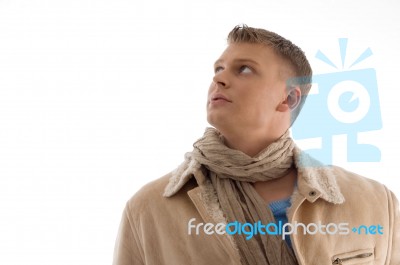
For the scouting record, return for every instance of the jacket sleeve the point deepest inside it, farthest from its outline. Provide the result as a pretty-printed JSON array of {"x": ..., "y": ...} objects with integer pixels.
[
  {"x": 394, "y": 254},
  {"x": 127, "y": 250}
]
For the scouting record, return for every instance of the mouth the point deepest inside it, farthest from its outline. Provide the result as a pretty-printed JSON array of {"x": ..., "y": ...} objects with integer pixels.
[{"x": 219, "y": 97}]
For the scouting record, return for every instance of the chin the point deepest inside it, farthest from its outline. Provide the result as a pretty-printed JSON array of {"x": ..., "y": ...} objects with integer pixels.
[
  {"x": 217, "y": 122},
  {"x": 210, "y": 120}
]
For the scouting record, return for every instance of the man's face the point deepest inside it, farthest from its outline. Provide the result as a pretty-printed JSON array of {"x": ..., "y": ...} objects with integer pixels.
[{"x": 247, "y": 88}]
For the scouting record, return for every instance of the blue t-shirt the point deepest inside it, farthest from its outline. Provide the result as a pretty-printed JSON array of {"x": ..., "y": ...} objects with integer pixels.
[{"x": 278, "y": 209}]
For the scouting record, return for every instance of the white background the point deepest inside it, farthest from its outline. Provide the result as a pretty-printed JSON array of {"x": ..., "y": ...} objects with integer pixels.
[{"x": 100, "y": 97}]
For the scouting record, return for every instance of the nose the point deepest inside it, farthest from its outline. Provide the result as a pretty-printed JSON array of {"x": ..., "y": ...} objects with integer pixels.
[{"x": 220, "y": 79}]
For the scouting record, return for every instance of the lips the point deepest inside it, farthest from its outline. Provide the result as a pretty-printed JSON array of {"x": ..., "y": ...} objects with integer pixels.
[{"x": 219, "y": 96}]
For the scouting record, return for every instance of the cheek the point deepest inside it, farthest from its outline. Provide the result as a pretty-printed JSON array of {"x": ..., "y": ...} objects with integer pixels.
[{"x": 260, "y": 105}]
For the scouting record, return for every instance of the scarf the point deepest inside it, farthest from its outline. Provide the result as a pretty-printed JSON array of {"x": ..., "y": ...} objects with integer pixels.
[{"x": 232, "y": 173}]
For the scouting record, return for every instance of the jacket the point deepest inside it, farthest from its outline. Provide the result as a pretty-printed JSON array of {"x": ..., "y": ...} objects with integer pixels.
[{"x": 359, "y": 219}]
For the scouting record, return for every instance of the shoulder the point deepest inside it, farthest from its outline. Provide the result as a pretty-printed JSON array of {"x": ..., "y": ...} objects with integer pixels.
[
  {"x": 352, "y": 185},
  {"x": 344, "y": 176},
  {"x": 149, "y": 199},
  {"x": 150, "y": 192}
]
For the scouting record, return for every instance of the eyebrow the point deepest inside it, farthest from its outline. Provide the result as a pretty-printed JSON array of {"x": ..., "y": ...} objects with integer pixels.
[{"x": 239, "y": 60}]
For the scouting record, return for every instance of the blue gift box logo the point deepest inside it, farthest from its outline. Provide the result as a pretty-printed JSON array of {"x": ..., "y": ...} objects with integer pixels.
[{"x": 347, "y": 102}]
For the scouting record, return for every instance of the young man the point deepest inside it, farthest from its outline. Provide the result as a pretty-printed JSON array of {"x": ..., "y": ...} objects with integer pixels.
[{"x": 246, "y": 194}]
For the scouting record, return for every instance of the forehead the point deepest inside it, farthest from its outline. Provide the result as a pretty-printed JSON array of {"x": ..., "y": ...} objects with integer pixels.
[{"x": 259, "y": 53}]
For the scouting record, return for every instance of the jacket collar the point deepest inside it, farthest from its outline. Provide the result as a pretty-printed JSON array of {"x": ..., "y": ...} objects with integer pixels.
[{"x": 315, "y": 180}]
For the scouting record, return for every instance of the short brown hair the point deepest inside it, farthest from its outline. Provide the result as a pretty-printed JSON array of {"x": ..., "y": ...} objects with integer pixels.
[{"x": 284, "y": 48}]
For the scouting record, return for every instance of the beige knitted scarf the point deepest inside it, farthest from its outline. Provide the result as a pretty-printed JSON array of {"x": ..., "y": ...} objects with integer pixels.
[{"x": 232, "y": 173}]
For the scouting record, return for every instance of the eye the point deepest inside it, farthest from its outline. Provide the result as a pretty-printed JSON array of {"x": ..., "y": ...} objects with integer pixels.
[
  {"x": 245, "y": 69},
  {"x": 217, "y": 69}
]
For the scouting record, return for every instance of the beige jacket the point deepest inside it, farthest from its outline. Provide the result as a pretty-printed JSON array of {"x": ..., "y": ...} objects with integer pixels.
[{"x": 154, "y": 228}]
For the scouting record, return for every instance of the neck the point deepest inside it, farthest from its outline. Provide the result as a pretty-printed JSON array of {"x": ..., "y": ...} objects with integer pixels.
[{"x": 250, "y": 143}]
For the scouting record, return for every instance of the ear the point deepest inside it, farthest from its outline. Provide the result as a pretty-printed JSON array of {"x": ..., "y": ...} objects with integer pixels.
[{"x": 291, "y": 101}]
